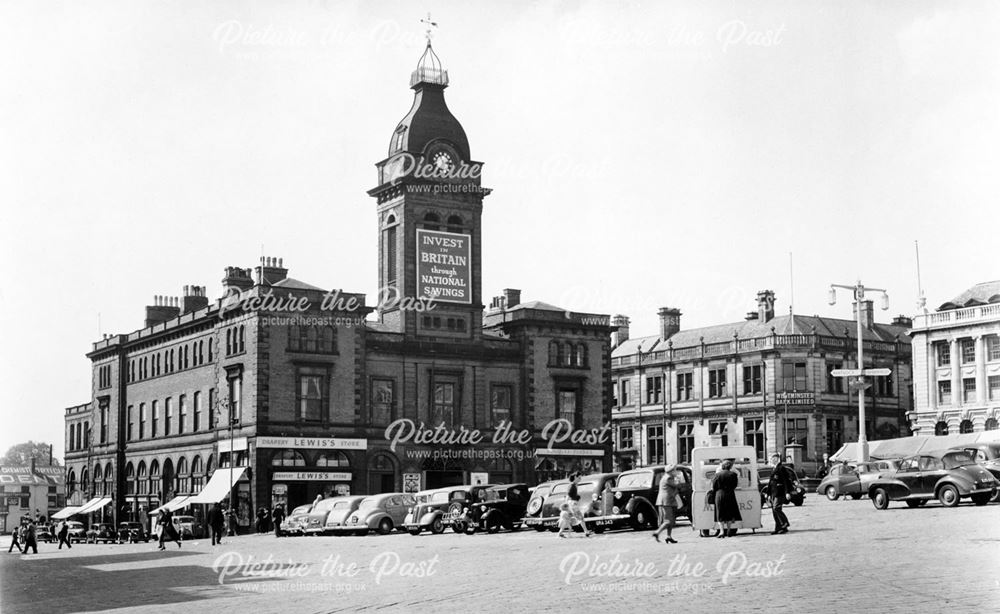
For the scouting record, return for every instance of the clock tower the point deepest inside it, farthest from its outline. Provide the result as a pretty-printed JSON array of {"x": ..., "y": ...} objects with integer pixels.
[{"x": 429, "y": 204}]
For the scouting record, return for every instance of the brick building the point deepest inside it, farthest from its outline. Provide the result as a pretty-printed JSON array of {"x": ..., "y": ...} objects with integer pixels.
[
  {"x": 956, "y": 360},
  {"x": 289, "y": 388},
  {"x": 763, "y": 382}
]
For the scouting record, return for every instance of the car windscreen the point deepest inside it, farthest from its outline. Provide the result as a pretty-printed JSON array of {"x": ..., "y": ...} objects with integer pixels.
[
  {"x": 957, "y": 459},
  {"x": 302, "y": 509},
  {"x": 586, "y": 489},
  {"x": 560, "y": 489},
  {"x": 641, "y": 479},
  {"x": 342, "y": 505},
  {"x": 439, "y": 497}
]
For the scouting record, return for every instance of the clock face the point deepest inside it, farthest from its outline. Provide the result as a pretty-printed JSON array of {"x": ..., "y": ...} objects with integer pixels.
[{"x": 442, "y": 162}]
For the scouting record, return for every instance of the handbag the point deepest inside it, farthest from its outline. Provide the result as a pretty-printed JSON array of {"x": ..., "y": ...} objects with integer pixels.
[{"x": 678, "y": 502}]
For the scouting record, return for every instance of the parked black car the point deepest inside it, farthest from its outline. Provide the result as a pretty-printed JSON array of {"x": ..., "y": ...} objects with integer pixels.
[
  {"x": 947, "y": 476},
  {"x": 500, "y": 507},
  {"x": 103, "y": 532},
  {"x": 635, "y": 498},
  {"x": 131, "y": 532},
  {"x": 987, "y": 455}
]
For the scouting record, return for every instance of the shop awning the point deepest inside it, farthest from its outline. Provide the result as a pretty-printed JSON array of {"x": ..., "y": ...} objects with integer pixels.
[
  {"x": 174, "y": 504},
  {"x": 93, "y": 505},
  {"x": 66, "y": 512},
  {"x": 218, "y": 485}
]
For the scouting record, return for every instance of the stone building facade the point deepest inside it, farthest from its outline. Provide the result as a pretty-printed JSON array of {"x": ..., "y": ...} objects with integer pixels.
[
  {"x": 956, "y": 358},
  {"x": 301, "y": 392},
  {"x": 763, "y": 382}
]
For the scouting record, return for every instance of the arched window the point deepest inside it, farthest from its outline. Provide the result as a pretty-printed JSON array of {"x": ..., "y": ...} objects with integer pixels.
[
  {"x": 85, "y": 479},
  {"x": 333, "y": 459},
  {"x": 210, "y": 465},
  {"x": 109, "y": 478},
  {"x": 581, "y": 355},
  {"x": 454, "y": 224},
  {"x": 432, "y": 221},
  {"x": 229, "y": 341},
  {"x": 209, "y": 350},
  {"x": 201, "y": 351},
  {"x": 567, "y": 355},
  {"x": 555, "y": 352},
  {"x": 243, "y": 338},
  {"x": 71, "y": 481},
  {"x": 140, "y": 479},
  {"x": 991, "y": 424},
  {"x": 98, "y": 481},
  {"x": 183, "y": 478},
  {"x": 941, "y": 428},
  {"x": 288, "y": 458},
  {"x": 197, "y": 475},
  {"x": 965, "y": 426},
  {"x": 129, "y": 479}
]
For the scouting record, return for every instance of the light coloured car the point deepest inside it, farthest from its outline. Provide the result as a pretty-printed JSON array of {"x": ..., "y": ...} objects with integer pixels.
[
  {"x": 383, "y": 513},
  {"x": 340, "y": 511},
  {"x": 295, "y": 523},
  {"x": 186, "y": 527},
  {"x": 428, "y": 511}
]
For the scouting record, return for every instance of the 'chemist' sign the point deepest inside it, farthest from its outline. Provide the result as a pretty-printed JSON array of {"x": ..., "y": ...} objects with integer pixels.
[{"x": 444, "y": 266}]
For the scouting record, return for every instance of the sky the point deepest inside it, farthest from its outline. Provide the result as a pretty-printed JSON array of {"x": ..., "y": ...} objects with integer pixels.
[{"x": 641, "y": 155}]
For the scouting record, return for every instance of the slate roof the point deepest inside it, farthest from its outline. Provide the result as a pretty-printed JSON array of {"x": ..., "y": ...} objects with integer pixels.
[
  {"x": 748, "y": 329},
  {"x": 979, "y": 294}
]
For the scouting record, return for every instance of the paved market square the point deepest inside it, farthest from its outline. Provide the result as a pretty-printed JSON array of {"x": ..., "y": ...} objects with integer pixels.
[{"x": 840, "y": 555}]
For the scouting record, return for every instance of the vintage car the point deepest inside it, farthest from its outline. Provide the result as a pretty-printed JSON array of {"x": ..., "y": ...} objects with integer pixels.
[
  {"x": 500, "y": 507},
  {"x": 853, "y": 480},
  {"x": 103, "y": 532},
  {"x": 459, "y": 498},
  {"x": 44, "y": 534},
  {"x": 534, "y": 515},
  {"x": 797, "y": 496},
  {"x": 315, "y": 521},
  {"x": 635, "y": 498},
  {"x": 186, "y": 527},
  {"x": 132, "y": 533},
  {"x": 340, "y": 511},
  {"x": 428, "y": 511},
  {"x": 295, "y": 523},
  {"x": 382, "y": 513},
  {"x": 987, "y": 454},
  {"x": 77, "y": 532},
  {"x": 947, "y": 476}
]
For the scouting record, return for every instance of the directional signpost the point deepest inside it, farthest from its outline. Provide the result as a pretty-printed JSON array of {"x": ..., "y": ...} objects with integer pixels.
[{"x": 857, "y": 377}]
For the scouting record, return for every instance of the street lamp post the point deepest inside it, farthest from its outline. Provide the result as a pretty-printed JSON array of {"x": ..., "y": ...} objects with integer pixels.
[
  {"x": 232, "y": 458},
  {"x": 860, "y": 372}
]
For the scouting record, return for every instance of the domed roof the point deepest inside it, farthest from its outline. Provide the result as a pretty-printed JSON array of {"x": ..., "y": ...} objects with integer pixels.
[{"x": 429, "y": 118}]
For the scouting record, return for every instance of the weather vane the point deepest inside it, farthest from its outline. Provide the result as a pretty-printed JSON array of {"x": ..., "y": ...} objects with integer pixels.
[{"x": 430, "y": 24}]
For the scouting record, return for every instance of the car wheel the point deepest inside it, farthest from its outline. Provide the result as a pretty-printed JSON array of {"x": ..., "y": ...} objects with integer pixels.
[
  {"x": 981, "y": 499},
  {"x": 414, "y": 531},
  {"x": 492, "y": 525},
  {"x": 948, "y": 496},
  {"x": 831, "y": 493},
  {"x": 996, "y": 496},
  {"x": 880, "y": 499},
  {"x": 385, "y": 526},
  {"x": 912, "y": 503},
  {"x": 458, "y": 526},
  {"x": 642, "y": 518},
  {"x": 437, "y": 526}
]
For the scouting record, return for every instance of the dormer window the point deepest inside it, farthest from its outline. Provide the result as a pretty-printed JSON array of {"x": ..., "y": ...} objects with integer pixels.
[{"x": 397, "y": 139}]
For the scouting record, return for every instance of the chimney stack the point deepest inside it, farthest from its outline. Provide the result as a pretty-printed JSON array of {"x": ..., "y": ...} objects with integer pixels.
[
  {"x": 620, "y": 333},
  {"x": 903, "y": 321},
  {"x": 164, "y": 308},
  {"x": 765, "y": 305},
  {"x": 670, "y": 321},
  {"x": 867, "y": 313},
  {"x": 236, "y": 278},
  {"x": 270, "y": 271},
  {"x": 511, "y": 297},
  {"x": 195, "y": 298}
]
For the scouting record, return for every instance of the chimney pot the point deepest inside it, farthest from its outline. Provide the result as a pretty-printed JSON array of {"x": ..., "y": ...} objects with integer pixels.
[
  {"x": 512, "y": 297},
  {"x": 670, "y": 321},
  {"x": 279, "y": 264},
  {"x": 765, "y": 305},
  {"x": 620, "y": 334}
]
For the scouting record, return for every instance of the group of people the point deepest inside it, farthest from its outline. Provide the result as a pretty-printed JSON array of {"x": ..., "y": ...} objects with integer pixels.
[
  {"x": 722, "y": 498},
  {"x": 25, "y": 535}
]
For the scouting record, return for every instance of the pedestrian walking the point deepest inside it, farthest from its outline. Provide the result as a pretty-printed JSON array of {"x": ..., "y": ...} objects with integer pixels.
[
  {"x": 216, "y": 523},
  {"x": 667, "y": 500},
  {"x": 276, "y": 517},
  {"x": 15, "y": 541},
  {"x": 574, "y": 502},
  {"x": 167, "y": 529},
  {"x": 62, "y": 532},
  {"x": 780, "y": 486},
  {"x": 30, "y": 538},
  {"x": 566, "y": 519},
  {"x": 727, "y": 508}
]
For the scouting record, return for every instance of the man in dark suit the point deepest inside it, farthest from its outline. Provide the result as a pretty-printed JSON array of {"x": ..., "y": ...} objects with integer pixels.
[
  {"x": 216, "y": 523},
  {"x": 276, "y": 517},
  {"x": 781, "y": 483}
]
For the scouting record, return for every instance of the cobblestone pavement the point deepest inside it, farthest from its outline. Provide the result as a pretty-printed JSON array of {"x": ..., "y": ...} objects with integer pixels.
[{"x": 842, "y": 556}]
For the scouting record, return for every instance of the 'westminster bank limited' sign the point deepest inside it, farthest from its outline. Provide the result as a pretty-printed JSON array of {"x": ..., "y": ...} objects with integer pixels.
[{"x": 444, "y": 266}]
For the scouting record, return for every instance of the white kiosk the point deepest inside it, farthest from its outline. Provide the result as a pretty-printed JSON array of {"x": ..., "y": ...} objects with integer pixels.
[{"x": 704, "y": 464}]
